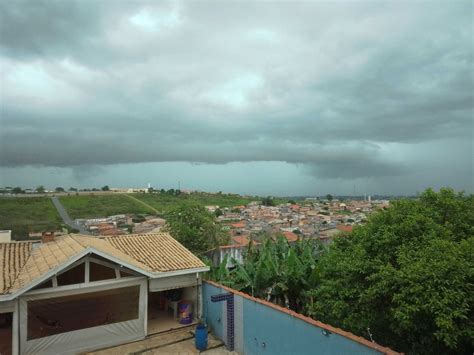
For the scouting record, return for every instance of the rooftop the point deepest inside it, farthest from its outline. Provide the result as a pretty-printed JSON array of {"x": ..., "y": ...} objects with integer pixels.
[{"x": 154, "y": 253}]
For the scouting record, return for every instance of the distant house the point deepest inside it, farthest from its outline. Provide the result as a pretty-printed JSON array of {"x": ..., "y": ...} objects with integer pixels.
[
  {"x": 291, "y": 237},
  {"x": 75, "y": 293},
  {"x": 344, "y": 228},
  {"x": 239, "y": 225},
  {"x": 328, "y": 235}
]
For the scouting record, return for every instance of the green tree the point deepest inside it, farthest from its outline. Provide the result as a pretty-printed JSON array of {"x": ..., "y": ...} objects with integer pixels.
[
  {"x": 72, "y": 189},
  {"x": 59, "y": 189},
  {"x": 105, "y": 188},
  {"x": 218, "y": 212},
  {"x": 407, "y": 275},
  {"x": 40, "y": 189},
  {"x": 329, "y": 197},
  {"x": 17, "y": 190},
  {"x": 268, "y": 201},
  {"x": 195, "y": 227}
]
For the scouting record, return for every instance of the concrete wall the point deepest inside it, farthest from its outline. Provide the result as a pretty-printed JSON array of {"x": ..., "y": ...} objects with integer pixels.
[
  {"x": 261, "y": 329},
  {"x": 5, "y": 236}
]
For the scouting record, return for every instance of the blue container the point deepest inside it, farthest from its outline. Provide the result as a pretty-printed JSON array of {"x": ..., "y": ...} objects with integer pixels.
[{"x": 201, "y": 337}]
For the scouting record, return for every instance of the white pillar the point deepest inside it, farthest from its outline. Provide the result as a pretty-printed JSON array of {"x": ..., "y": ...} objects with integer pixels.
[{"x": 15, "y": 330}]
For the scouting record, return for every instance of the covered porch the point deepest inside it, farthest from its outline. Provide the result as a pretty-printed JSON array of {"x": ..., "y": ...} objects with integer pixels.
[{"x": 173, "y": 302}]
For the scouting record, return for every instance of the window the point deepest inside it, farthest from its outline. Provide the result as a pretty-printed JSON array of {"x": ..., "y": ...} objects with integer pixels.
[
  {"x": 46, "y": 284},
  {"x": 68, "y": 313},
  {"x": 100, "y": 272},
  {"x": 6, "y": 320},
  {"x": 72, "y": 276}
]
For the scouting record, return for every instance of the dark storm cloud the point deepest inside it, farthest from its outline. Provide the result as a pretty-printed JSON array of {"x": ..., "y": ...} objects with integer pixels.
[
  {"x": 344, "y": 89},
  {"x": 46, "y": 28}
]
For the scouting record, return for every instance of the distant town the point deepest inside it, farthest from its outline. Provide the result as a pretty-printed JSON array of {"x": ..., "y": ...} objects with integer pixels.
[{"x": 321, "y": 218}]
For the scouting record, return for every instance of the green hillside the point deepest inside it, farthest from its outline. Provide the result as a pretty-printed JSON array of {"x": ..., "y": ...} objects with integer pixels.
[
  {"x": 94, "y": 206},
  {"x": 28, "y": 214}
]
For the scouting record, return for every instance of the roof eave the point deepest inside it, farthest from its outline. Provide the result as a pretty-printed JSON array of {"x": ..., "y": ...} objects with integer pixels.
[
  {"x": 46, "y": 276},
  {"x": 54, "y": 271},
  {"x": 90, "y": 250},
  {"x": 158, "y": 275}
]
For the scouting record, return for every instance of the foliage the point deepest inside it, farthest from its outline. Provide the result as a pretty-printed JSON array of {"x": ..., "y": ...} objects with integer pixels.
[
  {"x": 268, "y": 201},
  {"x": 329, "y": 197},
  {"x": 195, "y": 228},
  {"x": 28, "y": 214},
  {"x": 407, "y": 276},
  {"x": 59, "y": 189},
  {"x": 138, "y": 218},
  {"x": 93, "y": 206},
  {"x": 40, "y": 189},
  {"x": 275, "y": 271},
  {"x": 105, "y": 188},
  {"x": 17, "y": 190}
]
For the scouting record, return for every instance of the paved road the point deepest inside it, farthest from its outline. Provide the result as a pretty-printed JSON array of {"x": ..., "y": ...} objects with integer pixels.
[{"x": 64, "y": 215}]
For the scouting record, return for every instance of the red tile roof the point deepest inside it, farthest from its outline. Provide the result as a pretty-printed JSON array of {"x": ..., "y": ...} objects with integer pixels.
[
  {"x": 290, "y": 236},
  {"x": 240, "y": 240},
  {"x": 344, "y": 228},
  {"x": 240, "y": 224}
]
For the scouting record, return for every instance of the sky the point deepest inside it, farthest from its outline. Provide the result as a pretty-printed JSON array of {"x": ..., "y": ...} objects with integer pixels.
[{"x": 268, "y": 97}]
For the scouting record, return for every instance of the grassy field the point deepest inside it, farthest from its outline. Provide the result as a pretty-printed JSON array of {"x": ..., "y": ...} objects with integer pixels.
[
  {"x": 163, "y": 202},
  {"x": 93, "y": 206},
  {"x": 32, "y": 214}
]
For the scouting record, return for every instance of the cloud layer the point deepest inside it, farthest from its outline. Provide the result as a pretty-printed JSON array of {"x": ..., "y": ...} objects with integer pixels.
[{"x": 364, "y": 89}]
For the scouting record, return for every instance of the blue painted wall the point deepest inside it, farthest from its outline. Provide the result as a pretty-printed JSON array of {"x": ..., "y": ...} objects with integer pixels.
[
  {"x": 268, "y": 331},
  {"x": 212, "y": 311}
]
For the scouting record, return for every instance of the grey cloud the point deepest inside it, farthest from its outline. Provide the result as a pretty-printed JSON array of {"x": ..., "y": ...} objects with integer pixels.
[
  {"x": 327, "y": 86},
  {"x": 46, "y": 28}
]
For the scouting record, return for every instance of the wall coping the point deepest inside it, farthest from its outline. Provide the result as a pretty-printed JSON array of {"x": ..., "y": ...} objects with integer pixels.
[{"x": 309, "y": 320}]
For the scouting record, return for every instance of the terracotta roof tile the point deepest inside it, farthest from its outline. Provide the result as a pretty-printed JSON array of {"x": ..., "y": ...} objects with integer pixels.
[
  {"x": 290, "y": 236},
  {"x": 344, "y": 228},
  {"x": 157, "y": 252},
  {"x": 241, "y": 240},
  {"x": 13, "y": 257}
]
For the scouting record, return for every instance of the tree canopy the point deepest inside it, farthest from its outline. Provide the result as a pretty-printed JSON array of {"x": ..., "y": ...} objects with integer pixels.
[
  {"x": 268, "y": 201},
  {"x": 195, "y": 227},
  {"x": 406, "y": 276}
]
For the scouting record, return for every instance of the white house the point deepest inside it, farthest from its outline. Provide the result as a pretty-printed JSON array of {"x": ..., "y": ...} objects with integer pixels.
[{"x": 75, "y": 293}]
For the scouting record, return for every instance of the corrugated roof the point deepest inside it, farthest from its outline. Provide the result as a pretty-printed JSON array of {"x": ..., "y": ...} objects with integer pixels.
[{"x": 158, "y": 252}]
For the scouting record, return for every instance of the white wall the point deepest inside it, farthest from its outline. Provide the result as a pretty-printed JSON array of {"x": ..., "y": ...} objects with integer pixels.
[{"x": 5, "y": 236}]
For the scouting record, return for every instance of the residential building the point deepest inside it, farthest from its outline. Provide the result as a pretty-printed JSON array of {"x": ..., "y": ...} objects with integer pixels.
[{"x": 74, "y": 293}]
